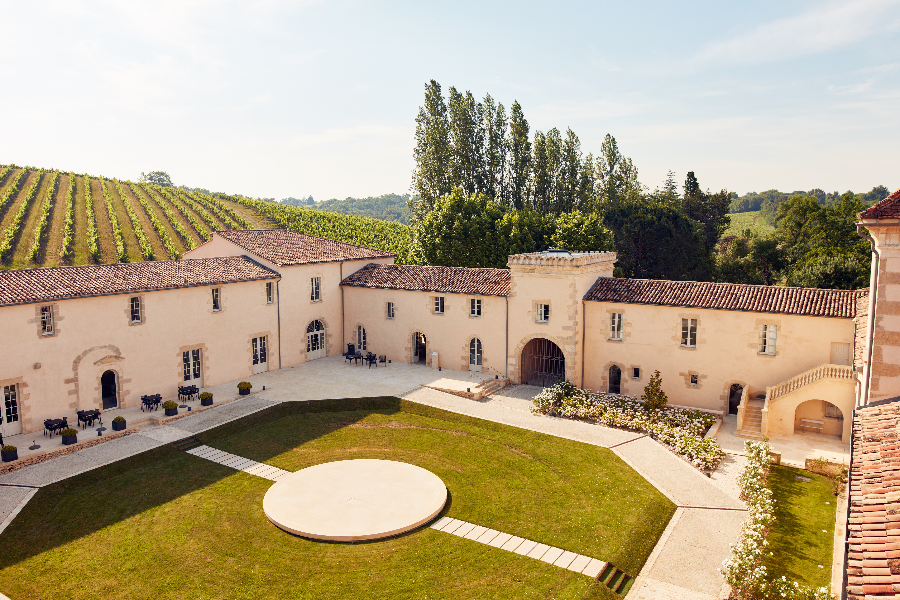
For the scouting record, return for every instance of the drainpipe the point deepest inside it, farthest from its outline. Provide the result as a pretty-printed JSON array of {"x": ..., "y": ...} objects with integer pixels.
[
  {"x": 507, "y": 337},
  {"x": 870, "y": 332},
  {"x": 583, "y": 330},
  {"x": 278, "y": 308},
  {"x": 341, "y": 285}
]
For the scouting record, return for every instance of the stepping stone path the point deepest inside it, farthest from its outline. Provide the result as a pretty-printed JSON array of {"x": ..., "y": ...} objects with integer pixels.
[{"x": 239, "y": 463}]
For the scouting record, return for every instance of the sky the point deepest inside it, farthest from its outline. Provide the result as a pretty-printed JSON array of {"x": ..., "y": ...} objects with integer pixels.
[{"x": 272, "y": 98}]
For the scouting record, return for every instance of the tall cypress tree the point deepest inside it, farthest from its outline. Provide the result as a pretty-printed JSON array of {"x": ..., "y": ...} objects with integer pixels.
[
  {"x": 494, "y": 159},
  {"x": 432, "y": 153},
  {"x": 467, "y": 139},
  {"x": 554, "y": 145},
  {"x": 542, "y": 175},
  {"x": 567, "y": 176},
  {"x": 519, "y": 149}
]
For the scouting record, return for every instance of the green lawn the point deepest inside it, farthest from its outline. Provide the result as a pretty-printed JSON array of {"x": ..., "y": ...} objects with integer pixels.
[
  {"x": 748, "y": 220},
  {"x": 166, "y": 524},
  {"x": 797, "y": 542}
]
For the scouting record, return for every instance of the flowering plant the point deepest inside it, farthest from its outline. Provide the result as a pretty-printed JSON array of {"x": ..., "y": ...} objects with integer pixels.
[{"x": 680, "y": 429}]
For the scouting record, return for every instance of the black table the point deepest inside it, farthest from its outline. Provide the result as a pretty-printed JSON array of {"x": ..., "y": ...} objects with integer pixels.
[
  {"x": 87, "y": 417},
  {"x": 52, "y": 425},
  {"x": 151, "y": 402}
]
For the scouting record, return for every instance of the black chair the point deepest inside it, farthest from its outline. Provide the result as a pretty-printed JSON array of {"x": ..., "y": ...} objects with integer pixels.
[
  {"x": 371, "y": 359},
  {"x": 350, "y": 353}
]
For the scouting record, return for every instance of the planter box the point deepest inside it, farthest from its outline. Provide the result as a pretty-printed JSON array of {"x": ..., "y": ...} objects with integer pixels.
[
  {"x": 206, "y": 402},
  {"x": 10, "y": 456},
  {"x": 119, "y": 425},
  {"x": 244, "y": 392},
  {"x": 68, "y": 440},
  {"x": 171, "y": 412}
]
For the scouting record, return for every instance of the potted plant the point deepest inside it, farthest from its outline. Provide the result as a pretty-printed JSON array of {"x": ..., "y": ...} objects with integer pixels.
[
  {"x": 245, "y": 387},
  {"x": 69, "y": 436},
  {"x": 206, "y": 399},
  {"x": 9, "y": 453},
  {"x": 119, "y": 423},
  {"x": 171, "y": 408}
]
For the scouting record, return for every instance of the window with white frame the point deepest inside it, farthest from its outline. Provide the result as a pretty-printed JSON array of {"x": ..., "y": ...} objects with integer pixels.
[
  {"x": 361, "y": 338},
  {"x": 47, "y": 320},
  {"x": 137, "y": 314},
  {"x": 768, "y": 334},
  {"x": 270, "y": 292},
  {"x": 438, "y": 305},
  {"x": 475, "y": 307},
  {"x": 315, "y": 289},
  {"x": 689, "y": 333},
  {"x": 389, "y": 310},
  {"x": 216, "y": 300},
  {"x": 543, "y": 313},
  {"x": 615, "y": 326}
]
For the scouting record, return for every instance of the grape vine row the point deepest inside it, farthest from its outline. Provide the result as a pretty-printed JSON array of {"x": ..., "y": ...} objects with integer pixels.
[
  {"x": 13, "y": 228},
  {"x": 227, "y": 215},
  {"x": 189, "y": 242},
  {"x": 45, "y": 214},
  {"x": 146, "y": 249},
  {"x": 204, "y": 214},
  {"x": 121, "y": 256},
  {"x": 14, "y": 188},
  {"x": 202, "y": 231},
  {"x": 69, "y": 224},
  {"x": 167, "y": 243},
  {"x": 5, "y": 170},
  {"x": 93, "y": 237}
]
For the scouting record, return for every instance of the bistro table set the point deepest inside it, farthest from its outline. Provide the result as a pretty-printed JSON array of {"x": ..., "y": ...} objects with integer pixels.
[
  {"x": 52, "y": 426},
  {"x": 370, "y": 358},
  {"x": 151, "y": 402},
  {"x": 87, "y": 417}
]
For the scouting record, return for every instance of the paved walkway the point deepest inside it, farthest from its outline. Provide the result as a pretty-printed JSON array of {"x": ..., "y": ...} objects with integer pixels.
[{"x": 239, "y": 463}]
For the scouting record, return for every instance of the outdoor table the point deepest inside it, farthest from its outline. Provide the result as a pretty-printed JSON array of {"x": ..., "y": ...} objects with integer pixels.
[
  {"x": 86, "y": 417},
  {"x": 52, "y": 425}
]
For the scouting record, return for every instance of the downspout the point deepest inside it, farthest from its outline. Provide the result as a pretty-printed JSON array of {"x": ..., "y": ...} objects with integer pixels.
[
  {"x": 341, "y": 285},
  {"x": 870, "y": 332},
  {"x": 278, "y": 308},
  {"x": 583, "y": 332},
  {"x": 507, "y": 336}
]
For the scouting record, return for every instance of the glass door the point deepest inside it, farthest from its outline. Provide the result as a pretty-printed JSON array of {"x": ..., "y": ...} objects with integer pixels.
[{"x": 260, "y": 355}]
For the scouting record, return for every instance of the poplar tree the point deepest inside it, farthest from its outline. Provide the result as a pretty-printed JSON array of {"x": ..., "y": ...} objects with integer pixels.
[
  {"x": 519, "y": 148},
  {"x": 542, "y": 176},
  {"x": 466, "y": 141},
  {"x": 432, "y": 153},
  {"x": 494, "y": 160}
]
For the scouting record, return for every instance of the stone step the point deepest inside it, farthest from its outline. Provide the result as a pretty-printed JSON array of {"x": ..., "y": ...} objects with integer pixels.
[{"x": 744, "y": 433}]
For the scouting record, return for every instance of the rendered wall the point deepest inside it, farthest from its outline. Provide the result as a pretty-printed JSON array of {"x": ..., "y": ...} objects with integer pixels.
[
  {"x": 784, "y": 413},
  {"x": 60, "y": 374},
  {"x": 448, "y": 334},
  {"x": 726, "y": 352}
]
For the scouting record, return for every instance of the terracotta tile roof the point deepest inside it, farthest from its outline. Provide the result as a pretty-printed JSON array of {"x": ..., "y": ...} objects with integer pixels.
[
  {"x": 450, "y": 280},
  {"x": 889, "y": 208},
  {"x": 727, "y": 296},
  {"x": 28, "y": 286},
  {"x": 285, "y": 248},
  {"x": 873, "y": 561}
]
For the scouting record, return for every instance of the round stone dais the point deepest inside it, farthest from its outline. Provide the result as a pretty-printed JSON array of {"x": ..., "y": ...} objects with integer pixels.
[{"x": 352, "y": 500}]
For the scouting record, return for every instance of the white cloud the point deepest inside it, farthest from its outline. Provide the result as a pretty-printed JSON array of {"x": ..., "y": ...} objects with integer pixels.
[{"x": 824, "y": 28}]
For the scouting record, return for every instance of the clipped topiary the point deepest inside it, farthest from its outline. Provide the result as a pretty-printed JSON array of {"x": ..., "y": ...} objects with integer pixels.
[
  {"x": 170, "y": 404},
  {"x": 8, "y": 449},
  {"x": 119, "y": 419},
  {"x": 654, "y": 397},
  {"x": 68, "y": 432},
  {"x": 245, "y": 385},
  {"x": 205, "y": 396}
]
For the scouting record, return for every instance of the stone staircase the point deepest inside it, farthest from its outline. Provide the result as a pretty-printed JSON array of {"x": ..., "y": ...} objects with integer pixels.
[
  {"x": 490, "y": 386},
  {"x": 752, "y": 427}
]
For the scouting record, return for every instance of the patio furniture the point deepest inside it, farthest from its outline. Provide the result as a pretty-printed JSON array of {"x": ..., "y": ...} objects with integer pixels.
[
  {"x": 87, "y": 417},
  {"x": 371, "y": 359},
  {"x": 53, "y": 425},
  {"x": 150, "y": 402},
  {"x": 350, "y": 353},
  {"x": 383, "y": 360}
]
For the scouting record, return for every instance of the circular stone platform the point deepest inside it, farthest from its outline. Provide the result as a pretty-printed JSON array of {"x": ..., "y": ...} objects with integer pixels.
[{"x": 352, "y": 500}]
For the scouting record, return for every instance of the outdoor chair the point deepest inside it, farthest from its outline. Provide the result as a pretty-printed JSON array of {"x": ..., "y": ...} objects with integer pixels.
[
  {"x": 371, "y": 359},
  {"x": 382, "y": 359},
  {"x": 350, "y": 353}
]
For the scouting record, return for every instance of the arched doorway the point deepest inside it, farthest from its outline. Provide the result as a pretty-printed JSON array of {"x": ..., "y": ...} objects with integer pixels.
[
  {"x": 734, "y": 398},
  {"x": 315, "y": 340},
  {"x": 361, "y": 344},
  {"x": 419, "y": 347},
  {"x": 108, "y": 390},
  {"x": 615, "y": 380},
  {"x": 818, "y": 416},
  {"x": 543, "y": 363},
  {"x": 475, "y": 355}
]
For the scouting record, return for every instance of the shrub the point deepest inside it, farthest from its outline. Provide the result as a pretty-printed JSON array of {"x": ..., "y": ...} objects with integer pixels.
[
  {"x": 654, "y": 397},
  {"x": 245, "y": 385},
  {"x": 836, "y": 472},
  {"x": 119, "y": 419},
  {"x": 170, "y": 404},
  {"x": 8, "y": 449},
  {"x": 68, "y": 432},
  {"x": 205, "y": 396}
]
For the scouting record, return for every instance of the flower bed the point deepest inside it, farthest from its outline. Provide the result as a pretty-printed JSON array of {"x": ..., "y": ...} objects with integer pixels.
[
  {"x": 744, "y": 571},
  {"x": 680, "y": 429}
]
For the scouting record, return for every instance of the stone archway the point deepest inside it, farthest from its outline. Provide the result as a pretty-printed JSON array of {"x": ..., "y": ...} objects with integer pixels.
[
  {"x": 818, "y": 416},
  {"x": 109, "y": 390},
  {"x": 542, "y": 363}
]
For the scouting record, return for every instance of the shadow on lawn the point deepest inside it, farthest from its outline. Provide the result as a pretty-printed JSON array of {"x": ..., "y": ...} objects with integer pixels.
[{"x": 81, "y": 505}]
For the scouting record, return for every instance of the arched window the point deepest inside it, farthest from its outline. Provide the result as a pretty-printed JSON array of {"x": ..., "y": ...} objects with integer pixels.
[
  {"x": 615, "y": 380},
  {"x": 475, "y": 355},
  {"x": 361, "y": 338},
  {"x": 315, "y": 340}
]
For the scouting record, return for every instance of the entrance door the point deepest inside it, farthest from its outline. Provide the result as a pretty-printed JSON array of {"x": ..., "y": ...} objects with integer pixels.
[
  {"x": 840, "y": 353},
  {"x": 615, "y": 380},
  {"x": 315, "y": 341},
  {"x": 543, "y": 363},
  {"x": 108, "y": 390},
  {"x": 475, "y": 355},
  {"x": 192, "y": 368},
  {"x": 260, "y": 355},
  {"x": 418, "y": 348},
  {"x": 9, "y": 412},
  {"x": 734, "y": 398}
]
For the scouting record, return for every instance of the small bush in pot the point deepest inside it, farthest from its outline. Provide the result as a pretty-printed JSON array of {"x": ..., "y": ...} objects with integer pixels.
[
  {"x": 118, "y": 423},
  {"x": 69, "y": 436},
  {"x": 245, "y": 387},
  {"x": 206, "y": 399},
  {"x": 171, "y": 408},
  {"x": 9, "y": 453}
]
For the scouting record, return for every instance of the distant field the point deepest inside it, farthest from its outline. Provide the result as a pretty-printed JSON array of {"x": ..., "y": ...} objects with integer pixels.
[{"x": 748, "y": 220}]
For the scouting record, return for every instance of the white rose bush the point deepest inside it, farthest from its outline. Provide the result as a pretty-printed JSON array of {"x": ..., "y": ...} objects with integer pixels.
[
  {"x": 680, "y": 429},
  {"x": 744, "y": 571}
]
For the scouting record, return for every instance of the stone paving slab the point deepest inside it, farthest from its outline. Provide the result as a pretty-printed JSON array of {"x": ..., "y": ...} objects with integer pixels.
[
  {"x": 223, "y": 414},
  {"x": 238, "y": 463},
  {"x": 645, "y": 588},
  {"x": 11, "y": 499}
]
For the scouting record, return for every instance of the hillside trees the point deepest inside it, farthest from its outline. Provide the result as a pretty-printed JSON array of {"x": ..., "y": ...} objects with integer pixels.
[{"x": 157, "y": 178}]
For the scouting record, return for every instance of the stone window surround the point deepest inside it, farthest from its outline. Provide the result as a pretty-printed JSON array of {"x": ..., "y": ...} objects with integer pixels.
[
  {"x": 639, "y": 372},
  {"x": 221, "y": 308},
  {"x": 55, "y": 317},
  {"x": 143, "y": 308},
  {"x": 390, "y": 309},
  {"x": 536, "y": 304},
  {"x": 701, "y": 339},
  {"x": 250, "y": 338},
  {"x": 21, "y": 396},
  {"x": 315, "y": 280},
  {"x": 687, "y": 379},
  {"x": 204, "y": 360},
  {"x": 435, "y": 300},
  {"x": 754, "y": 338},
  {"x": 329, "y": 335},
  {"x": 622, "y": 335},
  {"x": 480, "y": 305},
  {"x": 269, "y": 290},
  {"x": 464, "y": 359}
]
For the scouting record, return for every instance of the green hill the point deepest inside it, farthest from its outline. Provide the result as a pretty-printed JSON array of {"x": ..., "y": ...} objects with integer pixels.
[{"x": 51, "y": 218}]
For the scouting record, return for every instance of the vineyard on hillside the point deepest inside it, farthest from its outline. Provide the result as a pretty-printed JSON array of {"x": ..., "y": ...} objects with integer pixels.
[{"x": 51, "y": 218}]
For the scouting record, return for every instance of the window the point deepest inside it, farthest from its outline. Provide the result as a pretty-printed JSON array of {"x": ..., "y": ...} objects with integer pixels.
[
  {"x": 438, "y": 305},
  {"x": 695, "y": 380},
  {"x": 260, "y": 351},
  {"x": 315, "y": 289},
  {"x": 136, "y": 316},
  {"x": 767, "y": 336},
  {"x": 11, "y": 403},
  {"x": 270, "y": 292},
  {"x": 217, "y": 305},
  {"x": 689, "y": 333},
  {"x": 361, "y": 338},
  {"x": 389, "y": 307},
  {"x": 636, "y": 373},
  {"x": 615, "y": 326},
  {"x": 832, "y": 411},
  {"x": 191, "y": 363},
  {"x": 543, "y": 313},
  {"x": 474, "y": 307},
  {"x": 46, "y": 320}
]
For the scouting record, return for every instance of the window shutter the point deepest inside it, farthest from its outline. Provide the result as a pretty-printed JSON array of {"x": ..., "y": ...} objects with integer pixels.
[{"x": 771, "y": 337}]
